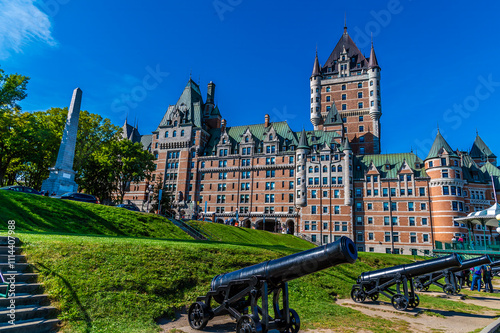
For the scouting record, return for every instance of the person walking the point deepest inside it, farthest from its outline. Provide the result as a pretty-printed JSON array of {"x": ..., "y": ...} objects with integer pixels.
[
  {"x": 476, "y": 278},
  {"x": 487, "y": 276}
]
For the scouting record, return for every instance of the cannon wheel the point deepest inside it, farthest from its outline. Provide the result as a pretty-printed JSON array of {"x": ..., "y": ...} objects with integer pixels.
[
  {"x": 294, "y": 323},
  {"x": 399, "y": 302},
  {"x": 373, "y": 296},
  {"x": 198, "y": 315},
  {"x": 357, "y": 294},
  {"x": 247, "y": 324},
  {"x": 459, "y": 288},
  {"x": 418, "y": 285},
  {"x": 448, "y": 289},
  {"x": 414, "y": 302}
]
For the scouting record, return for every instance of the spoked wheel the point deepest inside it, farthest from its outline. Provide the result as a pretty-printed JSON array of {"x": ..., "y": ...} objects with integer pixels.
[
  {"x": 357, "y": 294},
  {"x": 418, "y": 285},
  {"x": 448, "y": 289},
  {"x": 399, "y": 302},
  {"x": 459, "y": 288},
  {"x": 198, "y": 315},
  {"x": 414, "y": 302},
  {"x": 247, "y": 324},
  {"x": 373, "y": 296},
  {"x": 294, "y": 323}
]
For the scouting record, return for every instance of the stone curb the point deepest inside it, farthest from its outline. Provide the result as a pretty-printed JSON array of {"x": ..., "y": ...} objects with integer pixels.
[{"x": 493, "y": 327}]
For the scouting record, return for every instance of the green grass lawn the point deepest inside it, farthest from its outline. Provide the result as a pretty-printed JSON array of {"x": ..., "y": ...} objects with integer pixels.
[
  {"x": 44, "y": 214},
  {"x": 239, "y": 235},
  {"x": 112, "y": 284}
]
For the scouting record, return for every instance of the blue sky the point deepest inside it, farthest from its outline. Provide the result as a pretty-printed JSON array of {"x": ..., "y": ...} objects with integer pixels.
[{"x": 439, "y": 60}]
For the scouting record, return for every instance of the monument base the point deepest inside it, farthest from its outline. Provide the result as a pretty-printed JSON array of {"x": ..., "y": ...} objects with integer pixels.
[{"x": 60, "y": 182}]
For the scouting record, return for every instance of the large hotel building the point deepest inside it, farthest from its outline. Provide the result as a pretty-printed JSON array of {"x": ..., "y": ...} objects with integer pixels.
[{"x": 320, "y": 184}]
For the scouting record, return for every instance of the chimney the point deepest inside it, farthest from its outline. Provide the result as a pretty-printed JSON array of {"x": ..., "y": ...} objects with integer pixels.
[
  {"x": 266, "y": 120},
  {"x": 210, "y": 93},
  {"x": 223, "y": 125}
]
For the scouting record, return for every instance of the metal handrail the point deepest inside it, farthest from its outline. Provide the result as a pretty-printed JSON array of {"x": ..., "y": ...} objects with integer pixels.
[{"x": 202, "y": 230}]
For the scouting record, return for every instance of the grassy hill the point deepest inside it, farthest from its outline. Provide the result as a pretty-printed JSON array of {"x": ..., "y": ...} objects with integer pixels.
[
  {"x": 111, "y": 284},
  {"x": 44, "y": 214}
]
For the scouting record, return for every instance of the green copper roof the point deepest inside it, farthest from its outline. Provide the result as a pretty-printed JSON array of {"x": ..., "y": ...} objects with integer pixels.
[
  {"x": 284, "y": 133},
  {"x": 438, "y": 146},
  {"x": 333, "y": 117},
  {"x": 480, "y": 149},
  {"x": 362, "y": 164},
  {"x": 303, "y": 140},
  {"x": 492, "y": 171},
  {"x": 191, "y": 99}
]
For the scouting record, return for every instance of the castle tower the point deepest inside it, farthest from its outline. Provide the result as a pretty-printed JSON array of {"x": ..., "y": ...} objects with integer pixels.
[
  {"x": 315, "y": 83},
  {"x": 374, "y": 98},
  {"x": 446, "y": 186},
  {"x": 352, "y": 82},
  {"x": 301, "y": 156},
  {"x": 347, "y": 173}
]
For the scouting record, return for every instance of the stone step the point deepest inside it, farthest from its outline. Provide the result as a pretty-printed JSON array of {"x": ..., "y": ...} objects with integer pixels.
[
  {"x": 7, "y": 250},
  {"x": 27, "y": 313},
  {"x": 21, "y": 277},
  {"x": 17, "y": 268},
  {"x": 23, "y": 288},
  {"x": 30, "y": 326},
  {"x": 6, "y": 240},
  {"x": 4, "y": 258},
  {"x": 23, "y": 300}
]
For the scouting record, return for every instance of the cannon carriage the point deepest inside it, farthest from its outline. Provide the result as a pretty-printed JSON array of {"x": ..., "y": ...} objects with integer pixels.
[
  {"x": 451, "y": 285},
  {"x": 372, "y": 284},
  {"x": 245, "y": 294}
]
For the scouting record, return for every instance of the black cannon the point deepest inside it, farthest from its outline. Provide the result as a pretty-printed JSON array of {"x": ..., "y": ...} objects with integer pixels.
[
  {"x": 451, "y": 285},
  {"x": 371, "y": 284},
  {"x": 240, "y": 291}
]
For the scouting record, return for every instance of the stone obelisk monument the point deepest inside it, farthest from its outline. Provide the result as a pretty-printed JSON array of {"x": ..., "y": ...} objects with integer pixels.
[{"x": 62, "y": 177}]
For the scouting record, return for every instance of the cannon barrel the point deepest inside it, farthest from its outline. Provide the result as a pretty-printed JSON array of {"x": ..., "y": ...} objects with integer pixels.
[
  {"x": 471, "y": 263},
  {"x": 413, "y": 269},
  {"x": 295, "y": 265},
  {"x": 495, "y": 263}
]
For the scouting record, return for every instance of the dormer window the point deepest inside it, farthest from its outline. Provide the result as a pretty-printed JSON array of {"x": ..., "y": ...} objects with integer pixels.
[
  {"x": 270, "y": 136},
  {"x": 175, "y": 123},
  {"x": 223, "y": 140}
]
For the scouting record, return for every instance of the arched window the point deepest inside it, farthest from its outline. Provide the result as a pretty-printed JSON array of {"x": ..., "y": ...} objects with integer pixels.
[
  {"x": 310, "y": 169},
  {"x": 270, "y": 136},
  {"x": 246, "y": 138},
  {"x": 174, "y": 134},
  {"x": 325, "y": 168},
  {"x": 334, "y": 169},
  {"x": 316, "y": 169},
  {"x": 166, "y": 134},
  {"x": 175, "y": 123},
  {"x": 182, "y": 133},
  {"x": 339, "y": 169}
]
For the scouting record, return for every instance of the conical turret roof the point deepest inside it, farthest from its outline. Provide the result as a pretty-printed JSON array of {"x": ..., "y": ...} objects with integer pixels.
[
  {"x": 480, "y": 149},
  {"x": 373, "y": 59},
  {"x": 303, "y": 140},
  {"x": 316, "y": 68},
  {"x": 438, "y": 146}
]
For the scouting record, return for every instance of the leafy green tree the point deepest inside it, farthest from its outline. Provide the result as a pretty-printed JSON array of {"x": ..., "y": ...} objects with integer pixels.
[{"x": 134, "y": 164}]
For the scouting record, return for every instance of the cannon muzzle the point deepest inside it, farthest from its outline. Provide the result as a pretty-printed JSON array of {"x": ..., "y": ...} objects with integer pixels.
[
  {"x": 294, "y": 266},
  {"x": 413, "y": 269},
  {"x": 471, "y": 263}
]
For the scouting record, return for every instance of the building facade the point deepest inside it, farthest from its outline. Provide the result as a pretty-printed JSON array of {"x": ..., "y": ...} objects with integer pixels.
[{"x": 320, "y": 184}]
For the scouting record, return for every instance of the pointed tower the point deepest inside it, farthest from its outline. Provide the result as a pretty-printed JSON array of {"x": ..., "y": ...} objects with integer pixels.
[
  {"x": 315, "y": 84},
  {"x": 301, "y": 156},
  {"x": 481, "y": 153},
  {"x": 374, "y": 98},
  {"x": 351, "y": 81}
]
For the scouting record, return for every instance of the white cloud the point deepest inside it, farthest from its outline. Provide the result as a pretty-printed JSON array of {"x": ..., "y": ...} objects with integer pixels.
[{"x": 22, "y": 23}]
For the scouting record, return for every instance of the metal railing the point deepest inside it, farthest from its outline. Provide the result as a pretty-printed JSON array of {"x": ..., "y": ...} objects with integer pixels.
[
  {"x": 203, "y": 231},
  {"x": 187, "y": 228},
  {"x": 4, "y": 283}
]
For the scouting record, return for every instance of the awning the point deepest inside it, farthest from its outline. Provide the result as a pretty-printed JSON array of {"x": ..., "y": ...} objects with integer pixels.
[{"x": 486, "y": 217}]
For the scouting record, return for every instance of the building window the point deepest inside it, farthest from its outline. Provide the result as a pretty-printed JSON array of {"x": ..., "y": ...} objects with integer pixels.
[
  {"x": 411, "y": 221},
  {"x": 344, "y": 97},
  {"x": 395, "y": 238},
  {"x": 386, "y": 220},
  {"x": 361, "y": 128},
  {"x": 360, "y": 94},
  {"x": 328, "y": 98},
  {"x": 174, "y": 134},
  {"x": 445, "y": 173},
  {"x": 446, "y": 190},
  {"x": 388, "y": 238},
  {"x": 343, "y": 87},
  {"x": 360, "y": 105},
  {"x": 410, "y": 207},
  {"x": 424, "y": 220},
  {"x": 362, "y": 150},
  {"x": 426, "y": 237},
  {"x": 344, "y": 107}
]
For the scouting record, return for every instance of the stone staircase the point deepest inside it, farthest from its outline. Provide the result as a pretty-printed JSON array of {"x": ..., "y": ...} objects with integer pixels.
[{"x": 29, "y": 310}]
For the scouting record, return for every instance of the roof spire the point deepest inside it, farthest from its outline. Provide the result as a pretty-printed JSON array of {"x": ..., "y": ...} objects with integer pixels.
[
  {"x": 345, "y": 22},
  {"x": 373, "y": 58},
  {"x": 316, "y": 67},
  {"x": 303, "y": 140}
]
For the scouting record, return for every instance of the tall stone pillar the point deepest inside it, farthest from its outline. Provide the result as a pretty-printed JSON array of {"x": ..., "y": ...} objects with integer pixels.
[{"x": 62, "y": 177}]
